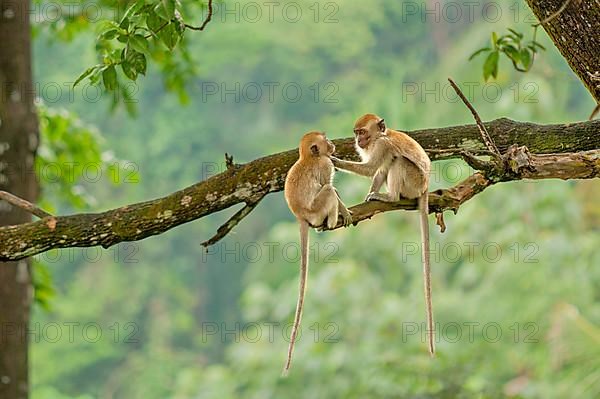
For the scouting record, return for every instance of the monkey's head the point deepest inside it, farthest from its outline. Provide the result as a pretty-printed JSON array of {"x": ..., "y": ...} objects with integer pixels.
[
  {"x": 367, "y": 129},
  {"x": 315, "y": 144}
]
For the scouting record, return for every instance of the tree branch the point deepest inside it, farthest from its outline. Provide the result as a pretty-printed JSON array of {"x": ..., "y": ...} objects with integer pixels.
[
  {"x": 231, "y": 223},
  {"x": 23, "y": 204},
  {"x": 489, "y": 143},
  {"x": 206, "y": 21},
  {"x": 249, "y": 182}
]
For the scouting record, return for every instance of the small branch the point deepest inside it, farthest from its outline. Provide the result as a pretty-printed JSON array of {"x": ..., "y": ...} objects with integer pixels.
[
  {"x": 439, "y": 220},
  {"x": 476, "y": 163},
  {"x": 148, "y": 36},
  {"x": 23, "y": 204},
  {"x": 554, "y": 15},
  {"x": 229, "y": 161},
  {"x": 206, "y": 21},
  {"x": 231, "y": 223},
  {"x": 595, "y": 112},
  {"x": 485, "y": 135}
]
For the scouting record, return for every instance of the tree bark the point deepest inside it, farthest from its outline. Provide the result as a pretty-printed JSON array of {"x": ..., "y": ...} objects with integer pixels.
[
  {"x": 248, "y": 183},
  {"x": 18, "y": 143},
  {"x": 574, "y": 32}
]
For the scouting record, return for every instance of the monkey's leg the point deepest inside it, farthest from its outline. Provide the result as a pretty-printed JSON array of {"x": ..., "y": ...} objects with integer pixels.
[
  {"x": 325, "y": 205},
  {"x": 394, "y": 184},
  {"x": 343, "y": 210},
  {"x": 332, "y": 216}
]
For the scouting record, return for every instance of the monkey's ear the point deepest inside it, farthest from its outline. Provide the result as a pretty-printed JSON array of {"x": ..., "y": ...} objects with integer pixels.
[
  {"x": 381, "y": 125},
  {"x": 314, "y": 149}
]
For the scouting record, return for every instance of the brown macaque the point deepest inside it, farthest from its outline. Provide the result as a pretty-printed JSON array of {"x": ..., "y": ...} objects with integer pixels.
[
  {"x": 311, "y": 197},
  {"x": 398, "y": 160}
]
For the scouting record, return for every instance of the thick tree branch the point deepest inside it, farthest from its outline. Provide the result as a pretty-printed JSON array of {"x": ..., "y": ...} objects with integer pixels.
[
  {"x": 247, "y": 183},
  {"x": 521, "y": 165}
]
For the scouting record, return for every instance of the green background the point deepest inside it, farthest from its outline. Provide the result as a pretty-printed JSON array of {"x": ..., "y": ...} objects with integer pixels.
[{"x": 516, "y": 283}]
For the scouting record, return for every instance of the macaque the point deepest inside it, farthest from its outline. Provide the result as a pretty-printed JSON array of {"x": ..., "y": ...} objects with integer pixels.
[
  {"x": 314, "y": 201},
  {"x": 395, "y": 158}
]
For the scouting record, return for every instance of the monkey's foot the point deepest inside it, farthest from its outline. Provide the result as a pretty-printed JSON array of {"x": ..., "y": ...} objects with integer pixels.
[
  {"x": 377, "y": 197},
  {"x": 346, "y": 218}
]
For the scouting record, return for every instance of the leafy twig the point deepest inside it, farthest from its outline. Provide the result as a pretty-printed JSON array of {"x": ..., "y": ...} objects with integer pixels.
[{"x": 206, "y": 21}]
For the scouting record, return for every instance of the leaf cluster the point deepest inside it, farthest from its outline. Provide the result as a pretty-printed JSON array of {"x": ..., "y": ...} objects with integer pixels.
[{"x": 512, "y": 45}]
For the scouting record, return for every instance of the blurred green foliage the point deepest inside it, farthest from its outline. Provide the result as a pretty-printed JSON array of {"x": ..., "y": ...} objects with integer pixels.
[{"x": 176, "y": 322}]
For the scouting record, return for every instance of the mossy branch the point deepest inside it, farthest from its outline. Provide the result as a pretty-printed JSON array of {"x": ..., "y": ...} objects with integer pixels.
[{"x": 248, "y": 183}]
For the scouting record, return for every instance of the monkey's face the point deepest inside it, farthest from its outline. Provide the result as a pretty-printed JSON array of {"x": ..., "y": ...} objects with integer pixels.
[
  {"x": 367, "y": 129},
  {"x": 365, "y": 135},
  {"x": 362, "y": 137}
]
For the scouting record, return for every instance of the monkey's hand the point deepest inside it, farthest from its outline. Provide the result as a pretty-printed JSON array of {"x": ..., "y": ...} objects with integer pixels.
[{"x": 336, "y": 161}]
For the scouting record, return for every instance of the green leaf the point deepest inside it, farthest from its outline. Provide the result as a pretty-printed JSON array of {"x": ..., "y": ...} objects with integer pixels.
[
  {"x": 124, "y": 24},
  {"x": 105, "y": 25},
  {"x": 139, "y": 61},
  {"x": 109, "y": 34},
  {"x": 139, "y": 43},
  {"x": 153, "y": 22},
  {"x": 494, "y": 39},
  {"x": 165, "y": 9},
  {"x": 85, "y": 73},
  {"x": 512, "y": 52},
  {"x": 134, "y": 64},
  {"x": 526, "y": 58},
  {"x": 170, "y": 36},
  {"x": 133, "y": 9},
  {"x": 536, "y": 44},
  {"x": 109, "y": 77},
  {"x": 481, "y": 50},
  {"x": 507, "y": 39},
  {"x": 108, "y": 30},
  {"x": 96, "y": 75},
  {"x": 490, "y": 68},
  {"x": 129, "y": 70},
  {"x": 514, "y": 32}
]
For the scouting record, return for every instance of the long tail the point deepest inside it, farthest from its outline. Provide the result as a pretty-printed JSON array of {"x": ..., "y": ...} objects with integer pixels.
[
  {"x": 302, "y": 291},
  {"x": 423, "y": 212}
]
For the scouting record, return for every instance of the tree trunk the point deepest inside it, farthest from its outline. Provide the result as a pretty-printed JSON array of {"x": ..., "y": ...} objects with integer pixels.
[
  {"x": 18, "y": 143},
  {"x": 574, "y": 32}
]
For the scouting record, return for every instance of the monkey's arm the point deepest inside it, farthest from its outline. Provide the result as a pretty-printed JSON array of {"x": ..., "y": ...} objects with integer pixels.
[
  {"x": 367, "y": 169},
  {"x": 378, "y": 180}
]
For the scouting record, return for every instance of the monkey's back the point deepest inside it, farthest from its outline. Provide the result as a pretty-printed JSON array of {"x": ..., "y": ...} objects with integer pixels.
[
  {"x": 303, "y": 182},
  {"x": 417, "y": 164}
]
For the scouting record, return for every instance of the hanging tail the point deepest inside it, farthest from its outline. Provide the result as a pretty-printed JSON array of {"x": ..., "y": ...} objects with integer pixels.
[
  {"x": 423, "y": 212},
  {"x": 302, "y": 291}
]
